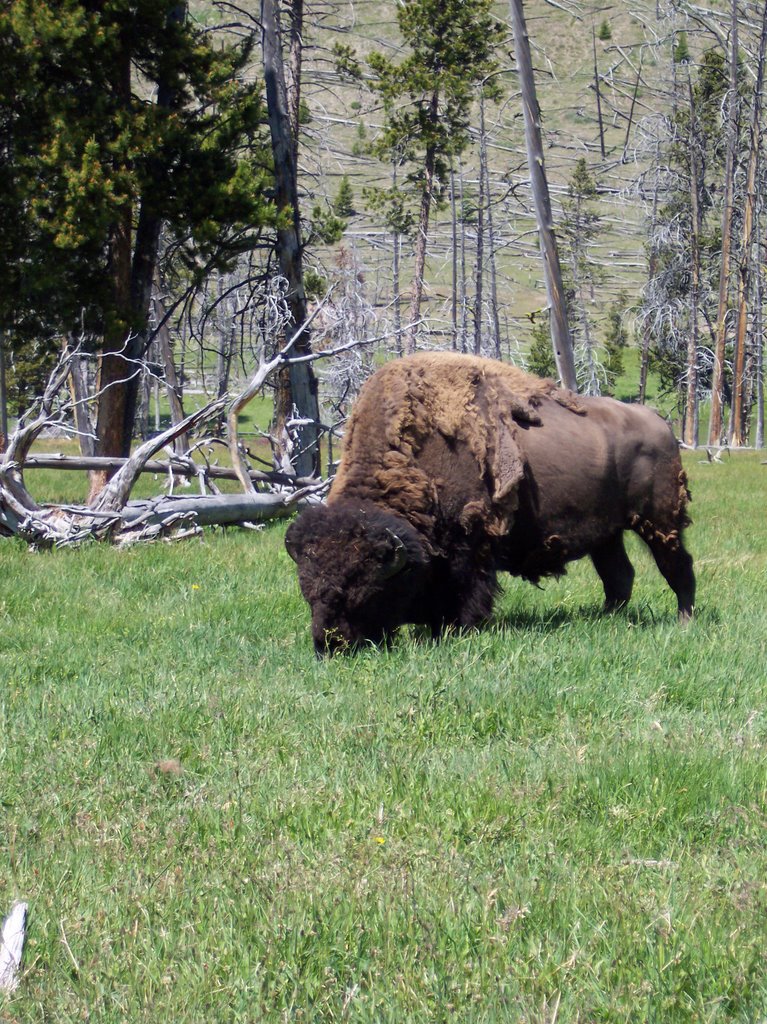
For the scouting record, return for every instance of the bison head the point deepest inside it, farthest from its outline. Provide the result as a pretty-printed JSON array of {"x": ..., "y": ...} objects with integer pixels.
[{"x": 361, "y": 570}]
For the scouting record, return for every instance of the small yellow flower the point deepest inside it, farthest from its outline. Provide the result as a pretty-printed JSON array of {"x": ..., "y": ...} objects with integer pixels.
[
  {"x": 380, "y": 840},
  {"x": 195, "y": 586}
]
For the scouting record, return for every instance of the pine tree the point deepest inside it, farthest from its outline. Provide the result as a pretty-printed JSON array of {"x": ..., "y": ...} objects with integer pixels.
[
  {"x": 344, "y": 201},
  {"x": 117, "y": 118},
  {"x": 616, "y": 340},
  {"x": 428, "y": 97},
  {"x": 580, "y": 227}
]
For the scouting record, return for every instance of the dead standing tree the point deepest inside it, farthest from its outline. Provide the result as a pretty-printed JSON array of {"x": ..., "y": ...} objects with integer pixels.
[
  {"x": 298, "y": 386},
  {"x": 560, "y": 331},
  {"x": 738, "y": 428}
]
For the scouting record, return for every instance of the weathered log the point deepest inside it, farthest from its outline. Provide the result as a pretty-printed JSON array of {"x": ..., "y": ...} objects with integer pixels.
[{"x": 180, "y": 466}]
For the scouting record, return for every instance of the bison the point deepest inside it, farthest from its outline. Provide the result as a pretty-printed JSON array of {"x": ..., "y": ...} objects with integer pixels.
[{"x": 455, "y": 468}]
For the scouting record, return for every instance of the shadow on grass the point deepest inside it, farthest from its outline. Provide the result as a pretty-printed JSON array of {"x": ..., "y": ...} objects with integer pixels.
[{"x": 640, "y": 615}]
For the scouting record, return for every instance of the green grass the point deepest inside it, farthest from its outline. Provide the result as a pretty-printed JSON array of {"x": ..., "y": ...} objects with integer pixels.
[{"x": 561, "y": 817}]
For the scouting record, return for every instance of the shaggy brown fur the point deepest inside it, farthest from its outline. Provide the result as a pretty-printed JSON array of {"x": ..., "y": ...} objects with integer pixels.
[{"x": 455, "y": 467}]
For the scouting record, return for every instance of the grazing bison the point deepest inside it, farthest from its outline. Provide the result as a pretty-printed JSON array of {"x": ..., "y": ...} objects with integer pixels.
[{"x": 456, "y": 467}]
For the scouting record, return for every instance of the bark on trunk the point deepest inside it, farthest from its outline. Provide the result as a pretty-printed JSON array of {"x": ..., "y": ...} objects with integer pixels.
[
  {"x": 560, "y": 331},
  {"x": 300, "y": 378},
  {"x": 396, "y": 250},
  {"x": 80, "y": 396},
  {"x": 423, "y": 234},
  {"x": 715, "y": 426},
  {"x": 454, "y": 262},
  {"x": 479, "y": 271},
  {"x": 738, "y": 436},
  {"x": 644, "y": 362},
  {"x": 3, "y": 401},
  {"x": 691, "y": 404},
  {"x": 172, "y": 383},
  {"x": 599, "y": 96},
  {"x": 133, "y": 274}
]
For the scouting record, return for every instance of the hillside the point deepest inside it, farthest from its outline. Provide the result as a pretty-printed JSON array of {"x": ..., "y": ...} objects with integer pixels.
[{"x": 636, "y": 58}]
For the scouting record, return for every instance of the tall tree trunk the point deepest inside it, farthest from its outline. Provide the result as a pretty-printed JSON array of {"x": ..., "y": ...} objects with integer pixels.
[
  {"x": 560, "y": 331},
  {"x": 644, "y": 359},
  {"x": 133, "y": 274},
  {"x": 300, "y": 377},
  {"x": 491, "y": 252},
  {"x": 454, "y": 261},
  {"x": 479, "y": 270},
  {"x": 631, "y": 113},
  {"x": 172, "y": 381},
  {"x": 715, "y": 428},
  {"x": 81, "y": 397},
  {"x": 759, "y": 354},
  {"x": 423, "y": 233},
  {"x": 462, "y": 275},
  {"x": 3, "y": 398},
  {"x": 296, "y": 15},
  {"x": 599, "y": 96},
  {"x": 691, "y": 404},
  {"x": 738, "y": 436},
  {"x": 397, "y": 249}
]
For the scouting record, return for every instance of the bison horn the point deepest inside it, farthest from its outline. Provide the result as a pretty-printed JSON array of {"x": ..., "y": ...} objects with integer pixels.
[{"x": 397, "y": 560}]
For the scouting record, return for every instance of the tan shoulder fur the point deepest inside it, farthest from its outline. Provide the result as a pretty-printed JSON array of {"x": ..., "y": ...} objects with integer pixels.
[{"x": 408, "y": 400}]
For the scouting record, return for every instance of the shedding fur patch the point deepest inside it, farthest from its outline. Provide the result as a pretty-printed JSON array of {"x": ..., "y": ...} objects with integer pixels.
[{"x": 466, "y": 399}]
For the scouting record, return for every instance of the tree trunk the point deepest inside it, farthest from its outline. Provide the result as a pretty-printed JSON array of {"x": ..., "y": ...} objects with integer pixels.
[
  {"x": 631, "y": 112},
  {"x": 644, "y": 362},
  {"x": 454, "y": 262},
  {"x": 738, "y": 436},
  {"x": 715, "y": 428},
  {"x": 691, "y": 404},
  {"x": 3, "y": 400},
  {"x": 462, "y": 272},
  {"x": 485, "y": 171},
  {"x": 397, "y": 249},
  {"x": 759, "y": 355},
  {"x": 296, "y": 15},
  {"x": 78, "y": 384},
  {"x": 300, "y": 381},
  {"x": 599, "y": 96},
  {"x": 560, "y": 331},
  {"x": 172, "y": 383},
  {"x": 479, "y": 272},
  {"x": 133, "y": 274},
  {"x": 423, "y": 234}
]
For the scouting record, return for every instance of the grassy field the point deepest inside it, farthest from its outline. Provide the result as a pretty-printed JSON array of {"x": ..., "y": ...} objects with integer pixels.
[{"x": 561, "y": 818}]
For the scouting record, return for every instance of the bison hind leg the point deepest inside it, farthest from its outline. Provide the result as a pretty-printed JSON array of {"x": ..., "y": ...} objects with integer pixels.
[{"x": 615, "y": 571}]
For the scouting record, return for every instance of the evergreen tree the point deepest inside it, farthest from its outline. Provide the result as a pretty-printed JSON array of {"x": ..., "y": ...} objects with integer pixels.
[
  {"x": 118, "y": 117},
  {"x": 616, "y": 340},
  {"x": 344, "y": 202},
  {"x": 581, "y": 225},
  {"x": 540, "y": 360},
  {"x": 428, "y": 97}
]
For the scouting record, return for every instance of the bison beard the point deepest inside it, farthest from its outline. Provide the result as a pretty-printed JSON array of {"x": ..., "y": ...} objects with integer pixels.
[{"x": 456, "y": 467}]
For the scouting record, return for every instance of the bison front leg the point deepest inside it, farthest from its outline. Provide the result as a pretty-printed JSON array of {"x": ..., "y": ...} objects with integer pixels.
[
  {"x": 466, "y": 597},
  {"x": 676, "y": 565},
  {"x": 615, "y": 571}
]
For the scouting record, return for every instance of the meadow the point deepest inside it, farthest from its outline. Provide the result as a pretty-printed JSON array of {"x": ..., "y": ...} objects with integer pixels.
[{"x": 560, "y": 818}]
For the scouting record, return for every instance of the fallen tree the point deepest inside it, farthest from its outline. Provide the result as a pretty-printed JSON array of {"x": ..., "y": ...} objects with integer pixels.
[{"x": 112, "y": 515}]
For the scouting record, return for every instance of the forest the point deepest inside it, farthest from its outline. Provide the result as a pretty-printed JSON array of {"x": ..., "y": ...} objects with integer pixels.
[{"x": 189, "y": 188}]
